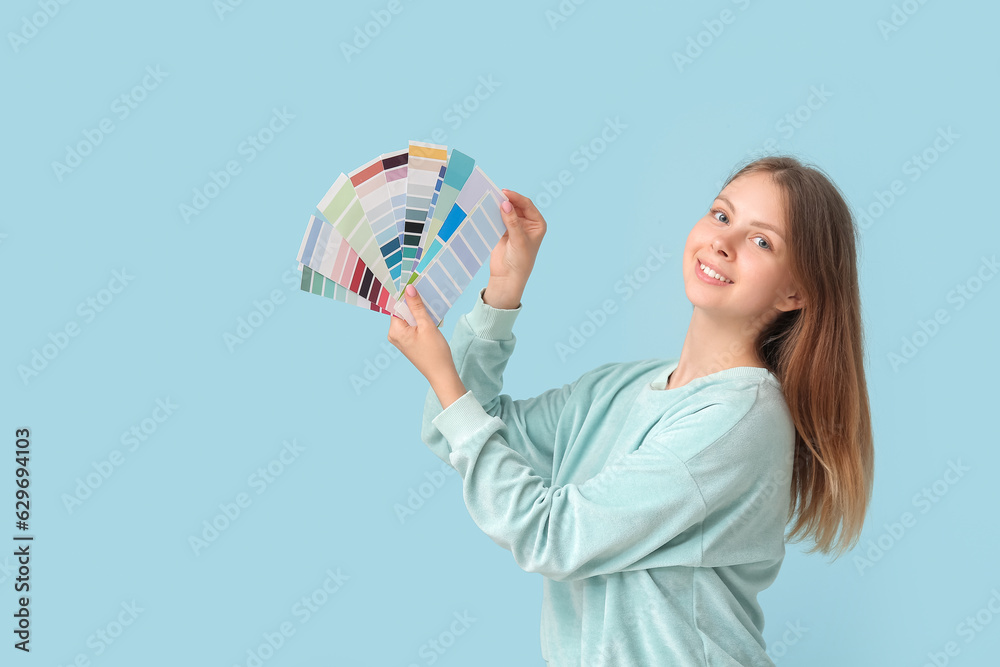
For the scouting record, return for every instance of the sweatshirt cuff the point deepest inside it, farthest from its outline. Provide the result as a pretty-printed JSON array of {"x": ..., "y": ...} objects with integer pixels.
[
  {"x": 461, "y": 419},
  {"x": 491, "y": 323}
]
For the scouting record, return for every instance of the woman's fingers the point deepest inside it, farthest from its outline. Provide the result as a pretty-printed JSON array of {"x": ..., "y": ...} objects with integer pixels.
[
  {"x": 416, "y": 305},
  {"x": 399, "y": 328},
  {"x": 523, "y": 203},
  {"x": 511, "y": 221}
]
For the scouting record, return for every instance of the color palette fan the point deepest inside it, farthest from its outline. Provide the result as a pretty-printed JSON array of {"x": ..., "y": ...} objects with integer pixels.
[{"x": 417, "y": 216}]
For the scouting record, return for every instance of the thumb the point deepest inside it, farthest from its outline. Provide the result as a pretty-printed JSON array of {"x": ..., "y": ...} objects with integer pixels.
[
  {"x": 416, "y": 304},
  {"x": 510, "y": 218}
]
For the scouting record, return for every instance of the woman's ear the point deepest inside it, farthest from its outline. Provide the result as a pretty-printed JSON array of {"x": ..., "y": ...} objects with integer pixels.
[{"x": 791, "y": 302}]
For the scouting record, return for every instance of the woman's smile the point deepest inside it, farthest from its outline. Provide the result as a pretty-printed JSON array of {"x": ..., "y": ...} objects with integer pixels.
[{"x": 705, "y": 277}]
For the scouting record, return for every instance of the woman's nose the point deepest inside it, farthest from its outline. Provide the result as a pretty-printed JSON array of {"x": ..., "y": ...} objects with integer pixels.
[{"x": 720, "y": 244}]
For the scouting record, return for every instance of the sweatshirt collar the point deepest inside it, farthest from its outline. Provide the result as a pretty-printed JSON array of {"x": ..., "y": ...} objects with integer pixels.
[{"x": 660, "y": 381}]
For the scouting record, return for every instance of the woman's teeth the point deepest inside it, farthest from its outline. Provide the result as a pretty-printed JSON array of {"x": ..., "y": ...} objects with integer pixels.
[{"x": 715, "y": 275}]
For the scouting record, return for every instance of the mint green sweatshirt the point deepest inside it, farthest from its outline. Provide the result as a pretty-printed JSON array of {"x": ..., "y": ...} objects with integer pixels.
[{"x": 655, "y": 515}]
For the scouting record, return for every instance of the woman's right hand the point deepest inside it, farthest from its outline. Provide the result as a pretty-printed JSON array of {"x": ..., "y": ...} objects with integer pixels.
[{"x": 513, "y": 258}]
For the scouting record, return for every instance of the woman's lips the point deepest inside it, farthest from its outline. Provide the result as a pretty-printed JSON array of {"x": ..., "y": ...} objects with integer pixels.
[{"x": 704, "y": 276}]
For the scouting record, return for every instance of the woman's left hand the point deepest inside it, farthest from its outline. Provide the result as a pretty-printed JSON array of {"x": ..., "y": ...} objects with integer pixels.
[{"x": 423, "y": 343}]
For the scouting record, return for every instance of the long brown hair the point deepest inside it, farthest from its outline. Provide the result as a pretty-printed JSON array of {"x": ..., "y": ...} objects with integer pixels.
[{"x": 817, "y": 354}]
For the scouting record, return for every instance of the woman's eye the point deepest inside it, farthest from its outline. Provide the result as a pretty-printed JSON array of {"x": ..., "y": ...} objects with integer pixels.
[{"x": 725, "y": 220}]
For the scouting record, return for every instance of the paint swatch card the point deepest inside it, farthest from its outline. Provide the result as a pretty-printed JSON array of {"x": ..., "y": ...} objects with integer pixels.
[
  {"x": 327, "y": 253},
  {"x": 459, "y": 168},
  {"x": 415, "y": 216},
  {"x": 464, "y": 243},
  {"x": 316, "y": 283},
  {"x": 372, "y": 188},
  {"x": 424, "y": 176},
  {"x": 341, "y": 208}
]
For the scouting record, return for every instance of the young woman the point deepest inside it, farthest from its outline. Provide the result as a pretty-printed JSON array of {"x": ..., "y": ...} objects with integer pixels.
[{"x": 654, "y": 495}]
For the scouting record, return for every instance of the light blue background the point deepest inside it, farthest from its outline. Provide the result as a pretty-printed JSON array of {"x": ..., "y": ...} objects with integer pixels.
[{"x": 162, "y": 337}]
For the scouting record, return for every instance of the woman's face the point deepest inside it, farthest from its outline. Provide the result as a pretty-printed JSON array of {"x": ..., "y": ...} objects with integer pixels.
[{"x": 742, "y": 237}]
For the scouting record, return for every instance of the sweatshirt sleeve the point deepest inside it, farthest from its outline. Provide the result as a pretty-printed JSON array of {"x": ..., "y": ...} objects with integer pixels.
[
  {"x": 643, "y": 510},
  {"x": 481, "y": 345}
]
